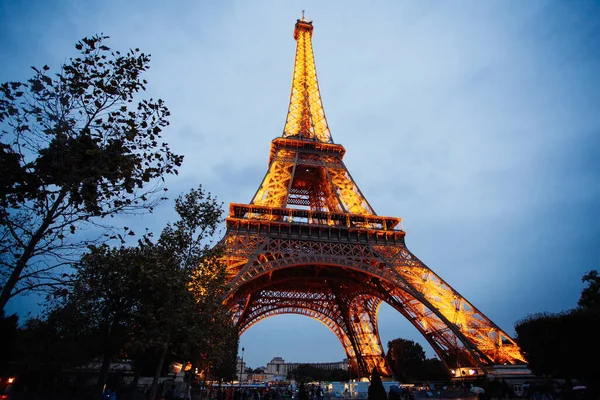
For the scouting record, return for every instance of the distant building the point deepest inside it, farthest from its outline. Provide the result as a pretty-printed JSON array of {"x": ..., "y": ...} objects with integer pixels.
[
  {"x": 258, "y": 374},
  {"x": 278, "y": 368}
]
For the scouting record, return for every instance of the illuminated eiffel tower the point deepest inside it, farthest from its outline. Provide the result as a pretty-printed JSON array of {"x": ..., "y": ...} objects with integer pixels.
[{"x": 309, "y": 243}]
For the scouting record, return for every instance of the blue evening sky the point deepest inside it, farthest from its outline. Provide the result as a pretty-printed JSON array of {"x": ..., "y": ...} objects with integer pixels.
[{"x": 477, "y": 122}]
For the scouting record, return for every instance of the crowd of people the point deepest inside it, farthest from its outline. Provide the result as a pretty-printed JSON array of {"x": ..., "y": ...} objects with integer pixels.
[
  {"x": 243, "y": 393},
  {"x": 486, "y": 390}
]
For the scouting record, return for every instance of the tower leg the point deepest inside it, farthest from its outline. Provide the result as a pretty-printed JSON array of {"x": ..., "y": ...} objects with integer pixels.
[{"x": 363, "y": 312}]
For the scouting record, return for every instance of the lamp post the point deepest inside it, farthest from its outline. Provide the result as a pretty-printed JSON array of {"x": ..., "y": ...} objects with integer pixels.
[{"x": 241, "y": 367}]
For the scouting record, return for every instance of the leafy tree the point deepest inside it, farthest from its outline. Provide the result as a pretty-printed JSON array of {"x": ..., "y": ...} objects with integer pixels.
[
  {"x": 561, "y": 345},
  {"x": 8, "y": 327},
  {"x": 210, "y": 339},
  {"x": 46, "y": 347},
  {"x": 308, "y": 373},
  {"x": 434, "y": 370},
  {"x": 406, "y": 358},
  {"x": 336, "y": 375},
  {"x": 101, "y": 306},
  {"x": 305, "y": 373},
  {"x": 220, "y": 347},
  {"x": 590, "y": 296},
  {"x": 376, "y": 390},
  {"x": 105, "y": 287},
  {"x": 181, "y": 307},
  {"x": 75, "y": 148},
  {"x": 37, "y": 355},
  {"x": 224, "y": 368},
  {"x": 157, "y": 300}
]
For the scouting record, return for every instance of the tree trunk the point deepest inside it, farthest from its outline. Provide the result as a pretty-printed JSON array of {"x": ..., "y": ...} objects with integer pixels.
[
  {"x": 106, "y": 356},
  {"x": 104, "y": 371},
  {"x": 28, "y": 251},
  {"x": 161, "y": 360},
  {"x": 137, "y": 371},
  {"x": 16, "y": 272}
]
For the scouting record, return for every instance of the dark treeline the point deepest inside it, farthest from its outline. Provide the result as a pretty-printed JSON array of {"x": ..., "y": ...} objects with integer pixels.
[
  {"x": 408, "y": 362},
  {"x": 565, "y": 344},
  {"x": 143, "y": 307},
  {"x": 310, "y": 373}
]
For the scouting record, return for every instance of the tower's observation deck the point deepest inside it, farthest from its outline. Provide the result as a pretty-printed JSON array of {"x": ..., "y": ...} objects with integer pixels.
[
  {"x": 307, "y": 182},
  {"x": 300, "y": 196}
]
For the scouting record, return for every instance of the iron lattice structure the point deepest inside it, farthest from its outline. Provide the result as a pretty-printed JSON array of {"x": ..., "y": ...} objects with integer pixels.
[{"x": 309, "y": 243}]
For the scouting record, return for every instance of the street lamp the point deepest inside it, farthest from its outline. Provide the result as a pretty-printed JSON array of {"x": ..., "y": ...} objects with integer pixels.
[{"x": 241, "y": 367}]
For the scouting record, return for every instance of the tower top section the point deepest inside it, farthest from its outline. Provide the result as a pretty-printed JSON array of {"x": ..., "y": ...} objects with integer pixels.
[
  {"x": 302, "y": 24},
  {"x": 306, "y": 117}
]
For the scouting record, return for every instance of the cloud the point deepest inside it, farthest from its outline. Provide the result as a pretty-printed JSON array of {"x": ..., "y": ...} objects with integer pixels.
[{"x": 477, "y": 123}]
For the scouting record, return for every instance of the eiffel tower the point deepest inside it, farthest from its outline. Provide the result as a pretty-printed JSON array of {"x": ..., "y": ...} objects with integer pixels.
[{"x": 310, "y": 243}]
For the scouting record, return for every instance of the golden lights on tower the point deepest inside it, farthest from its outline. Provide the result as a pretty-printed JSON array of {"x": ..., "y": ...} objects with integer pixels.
[
  {"x": 309, "y": 243},
  {"x": 306, "y": 117}
]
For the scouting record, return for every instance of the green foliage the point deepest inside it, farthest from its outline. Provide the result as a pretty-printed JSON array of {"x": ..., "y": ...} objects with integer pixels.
[
  {"x": 40, "y": 352},
  {"x": 183, "y": 288},
  {"x": 94, "y": 320},
  {"x": 310, "y": 373},
  {"x": 435, "y": 370},
  {"x": 182, "y": 305},
  {"x": 75, "y": 148},
  {"x": 590, "y": 296},
  {"x": 409, "y": 363},
  {"x": 160, "y": 300},
  {"x": 104, "y": 295},
  {"x": 406, "y": 358},
  {"x": 8, "y": 327},
  {"x": 376, "y": 389},
  {"x": 561, "y": 345},
  {"x": 224, "y": 358}
]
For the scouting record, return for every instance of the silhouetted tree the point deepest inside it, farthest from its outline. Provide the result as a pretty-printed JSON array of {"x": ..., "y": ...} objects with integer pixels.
[
  {"x": 562, "y": 344},
  {"x": 183, "y": 288},
  {"x": 8, "y": 327},
  {"x": 590, "y": 296},
  {"x": 153, "y": 300},
  {"x": 45, "y": 347},
  {"x": 75, "y": 149},
  {"x": 305, "y": 373},
  {"x": 221, "y": 362},
  {"x": 406, "y": 358},
  {"x": 434, "y": 370},
  {"x": 103, "y": 302},
  {"x": 308, "y": 373}
]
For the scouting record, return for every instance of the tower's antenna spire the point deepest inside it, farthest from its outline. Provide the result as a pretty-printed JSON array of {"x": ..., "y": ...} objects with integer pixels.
[{"x": 306, "y": 118}]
